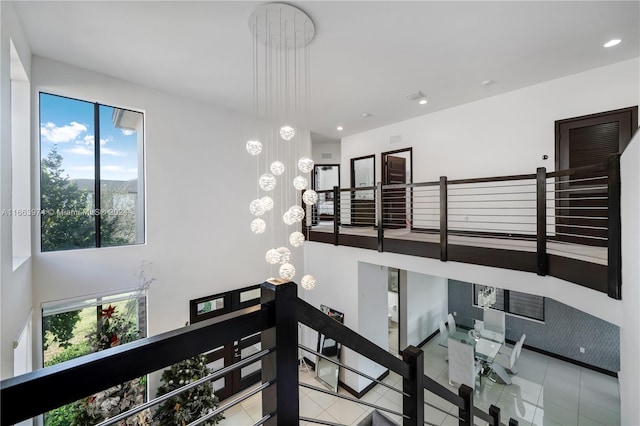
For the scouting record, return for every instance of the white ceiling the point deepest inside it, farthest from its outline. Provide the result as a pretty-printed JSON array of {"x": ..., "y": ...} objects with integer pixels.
[{"x": 366, "y": 56}]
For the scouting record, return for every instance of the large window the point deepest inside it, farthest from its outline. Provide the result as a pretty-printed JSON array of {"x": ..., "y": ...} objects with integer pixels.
[
  {"x": 91, "y": 174},
  {"x": 514, "y": 302}
]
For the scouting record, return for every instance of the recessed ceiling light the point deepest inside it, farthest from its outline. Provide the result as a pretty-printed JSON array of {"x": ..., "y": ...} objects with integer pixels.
[
  {"x": 366, "y": 115},
  {"x": 612, "y": 43},
  {"x": 422, "y": 101},
  {"x": 487, "y": 82},
  {"x": 339, "y": 128}
]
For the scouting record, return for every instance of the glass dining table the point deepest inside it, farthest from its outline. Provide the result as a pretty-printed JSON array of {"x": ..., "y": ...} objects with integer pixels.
[{"x": 486, "y": 346}]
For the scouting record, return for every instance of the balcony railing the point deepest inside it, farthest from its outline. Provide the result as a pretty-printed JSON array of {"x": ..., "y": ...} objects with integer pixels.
[
  {"x": 565, "y": 223},
  {"x": 32, "y": 394}
]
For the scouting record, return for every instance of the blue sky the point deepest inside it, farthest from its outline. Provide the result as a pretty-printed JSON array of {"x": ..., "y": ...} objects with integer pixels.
[{"x": 68, "y": 123}]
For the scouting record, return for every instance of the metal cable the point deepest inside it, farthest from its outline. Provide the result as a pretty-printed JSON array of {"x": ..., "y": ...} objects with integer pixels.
[
  {"x": 320, "y": 422},
  {"x": 213, "y": 376},
  {"x": 230, "y": 404},
  {"x": 353, "y": 370},
  {"x": 457, "y": 186},
  {"x": 355, "y": 400}
]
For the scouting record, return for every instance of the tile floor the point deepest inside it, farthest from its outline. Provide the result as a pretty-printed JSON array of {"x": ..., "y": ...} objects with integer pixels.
[{"x": 546, "y": 391}]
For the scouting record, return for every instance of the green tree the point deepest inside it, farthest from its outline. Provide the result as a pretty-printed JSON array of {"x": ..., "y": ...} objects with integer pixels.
[
  {"x": 60, "y": 328},
  {"x": 191, "y": 404},
  {"x": 68, "y": 221}
]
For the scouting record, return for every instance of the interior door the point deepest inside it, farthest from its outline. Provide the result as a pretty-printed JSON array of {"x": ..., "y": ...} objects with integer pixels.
[
  {"x": 395, "y": 199},
  {"x": 581, "y": 209}
]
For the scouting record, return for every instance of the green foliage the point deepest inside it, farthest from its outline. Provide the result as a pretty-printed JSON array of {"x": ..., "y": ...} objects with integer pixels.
[
  {"x": 69, "y": 220},
  {"x": 112, "y": 402},
  {"x": 62, "y": 416},
  {"x": 60, "y": 328},
  {"x": 72, "y": 352},
  {"x": 191, "y": 404},
  {"x": 67, "y": 223},
  {"x": 113, "y": 330}
]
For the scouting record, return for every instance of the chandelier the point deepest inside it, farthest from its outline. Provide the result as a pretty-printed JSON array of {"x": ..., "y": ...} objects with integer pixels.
[
  {"x": 281, "y": 140},
  {"x": 486, "y": 297}
]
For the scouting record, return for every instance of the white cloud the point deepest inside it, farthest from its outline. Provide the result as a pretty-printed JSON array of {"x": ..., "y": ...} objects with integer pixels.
[
  {"x": 113, "y": 152},
  {"x": 128, "y": 132},
  {"x": 68, "y": 133},
  {"x": 80, "y": 150}
]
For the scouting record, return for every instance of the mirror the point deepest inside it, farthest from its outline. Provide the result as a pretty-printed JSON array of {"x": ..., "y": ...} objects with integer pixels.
[{"x": 326, "y": 371}]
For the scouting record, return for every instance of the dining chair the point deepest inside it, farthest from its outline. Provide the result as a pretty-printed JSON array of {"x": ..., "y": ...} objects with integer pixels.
[
  {"x": 463, "y": 367},
  {"x": 443, "y": 329},
  {"x": 443, "y": 333},
  {"x": 509, "y": 361},
  {"x": 494, "y": 320},
  {"x": 506, "y": 350},
  {"x": 451, "y": 323}
]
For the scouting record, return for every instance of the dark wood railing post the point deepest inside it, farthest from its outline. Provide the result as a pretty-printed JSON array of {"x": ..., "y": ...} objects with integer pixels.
[
  {"x": 513, "y": 422},
  {"x": 494, "y": 413},
  {"x": 336, "y": 215},
  {"x": 380, "y": 216},
  {"x": 443, "y": 219},
  {"x": 466, "y": 413},
  {"x": 614, "y": 232},
  {"x": 413, "y": 405},
  {"x": 541, "y": 220},
  {"x": 281, "y": 366}
]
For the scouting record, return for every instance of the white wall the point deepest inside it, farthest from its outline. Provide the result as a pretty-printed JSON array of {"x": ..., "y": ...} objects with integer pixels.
[
  {"x": 199, "y": 182},
  {"x": 15, "y": 285},
  {"x": 502, "y": 135},
  {"x": 372, "y": 302},
  {"x": 424, "y": 303},
  {"x": 629, "y": 337},
  {"x": 331, "y": 149}
]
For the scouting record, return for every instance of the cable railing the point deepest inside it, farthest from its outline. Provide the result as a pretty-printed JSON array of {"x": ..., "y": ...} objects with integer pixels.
[
  {"x": 277, "y": 323},
  {"x": 564, "y": 223}
]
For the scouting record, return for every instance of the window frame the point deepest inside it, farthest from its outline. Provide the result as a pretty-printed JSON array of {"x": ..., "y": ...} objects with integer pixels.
[
  {"x": 97, "y": 178},
  {"x": 506, "y": 297}
]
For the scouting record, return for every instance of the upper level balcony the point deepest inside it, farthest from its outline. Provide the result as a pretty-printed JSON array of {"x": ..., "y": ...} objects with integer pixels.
[{"x": 565, "y": 224}]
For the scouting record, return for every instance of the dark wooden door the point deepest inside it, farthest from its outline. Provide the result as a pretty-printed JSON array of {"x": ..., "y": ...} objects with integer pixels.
[
  {"x": 215, "y": 305},
  {"x": 395, "y": 199},
  {"x": 581, "y": 206}
]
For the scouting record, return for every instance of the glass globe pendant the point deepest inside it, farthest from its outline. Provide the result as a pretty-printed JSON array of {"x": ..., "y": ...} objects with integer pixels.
[
  {"x": 258, "y": 226},
  {"x": 300, "y": 183},
  {"x": 310, "y": 197},
  {"x": 287, "y": 132},
  {"x": 267, "y": 202},
  {"x": 272, "y": 256},
  {"x": 297, "y": 213},
  {"x": 305, "y": 164},
  {"x": 287, "y": 271},
  {"x": 296, "y": 239},
  {"x": 254, "y": 147},
  {"x": 256, "y": 207},
  {"x": 277, "y": 168},
  {"x": 267, "y": 181},
  {"x": 308, "y": 282},
  {"x": 287, "y": 218},
  {"x": 284, "y": 255}
]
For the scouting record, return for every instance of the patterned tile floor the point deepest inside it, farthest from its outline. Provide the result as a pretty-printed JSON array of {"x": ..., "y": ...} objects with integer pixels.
[{"x": 546, "y": 391}]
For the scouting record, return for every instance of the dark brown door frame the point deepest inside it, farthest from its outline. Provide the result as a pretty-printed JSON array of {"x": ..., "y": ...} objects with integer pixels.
[
  {"x": 383, "y": 166},
  {"x": 626, "y": 132},
  {"x": 628, "y": 125}
]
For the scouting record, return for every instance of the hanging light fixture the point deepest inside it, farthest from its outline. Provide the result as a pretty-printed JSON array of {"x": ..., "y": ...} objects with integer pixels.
[{"x": 281, "y": 141}]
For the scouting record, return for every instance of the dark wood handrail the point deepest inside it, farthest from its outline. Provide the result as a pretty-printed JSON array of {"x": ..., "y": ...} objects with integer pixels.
[
  {"x": 52, "y": 387},
  {"x": 491, "y": 179}
]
